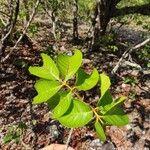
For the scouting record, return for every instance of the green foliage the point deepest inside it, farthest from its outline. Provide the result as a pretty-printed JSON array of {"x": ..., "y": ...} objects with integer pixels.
[
  {"x": 113, "y": 113},
  {"x": 85, "y": 81},
  {"x": 100, "y": 131},
  {"x": 144, "y": 56},
  {"x": 46, "y": 89},
  {"x": 86, "y": 8},
  {"x": 11, "y": 136},
  {"x": 47, "y": 71},
  {"x": 130, "y": 80},
  {"x": 105, "y": 93},
  {"x": 63, "y": 105},
  {"x": 78, "y": 115},
  {"x": 128, "y": 3},
  {"x": 67, "y": 106},
  {"x": 14, "y": 133},
  {"x": 69, "y": 65},
  {"x": 134, "y": 19},
  {"x": 33, "y": 29}
]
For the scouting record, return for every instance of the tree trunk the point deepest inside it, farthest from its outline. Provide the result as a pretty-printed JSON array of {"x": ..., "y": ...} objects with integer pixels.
[
  {"x": 75, "y": 20},
  {"x": 103, "y": 12},
  {"x": 8, "y": 30}
]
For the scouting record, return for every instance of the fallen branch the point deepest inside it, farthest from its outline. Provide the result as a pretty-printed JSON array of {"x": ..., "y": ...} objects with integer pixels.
[
  {"x": 127, "y": 52},
  {"x": 4, "y": 13},
  {"x": 135, "y": 65},
  {"x": 69, "y": 137},
  {"x": 24, "y": 31}
]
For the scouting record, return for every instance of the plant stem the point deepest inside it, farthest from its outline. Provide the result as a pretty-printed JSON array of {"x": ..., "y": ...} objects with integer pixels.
[
  {"x": 69, "y": 137},
  {"x": 74, "y": 92},
  {"x": 98, "y": 117}
]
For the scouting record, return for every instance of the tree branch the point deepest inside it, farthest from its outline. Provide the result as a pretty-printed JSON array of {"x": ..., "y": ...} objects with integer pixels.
[
  {"x": 143, "y": 9},
  {"x": 127, "y": 52},
  {"x": 24, "y": 31},
  {"x": 12, "y": 23},
  {"x": 4, "y": 13}
]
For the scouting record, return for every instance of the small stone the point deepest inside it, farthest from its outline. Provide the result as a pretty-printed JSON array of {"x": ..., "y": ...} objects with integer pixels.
[
  {"x": 86, "y": 61},
  {"x": 96, "y": 143}
]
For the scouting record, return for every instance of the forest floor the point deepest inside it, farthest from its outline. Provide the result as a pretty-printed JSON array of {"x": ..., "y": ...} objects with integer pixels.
[{"x": 36, "y": 128}]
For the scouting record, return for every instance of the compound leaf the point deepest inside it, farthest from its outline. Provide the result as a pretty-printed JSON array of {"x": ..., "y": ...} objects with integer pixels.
[
  {"x": 63, "y": 105},
  {"x": 100, "y": 131},
  {"x": 78, "y": 115},
  {"x": 46, "y": 89},
  {"x": 85, "y": 81},
  {"x": 69, "y": 65},
  {"x": 48, "y": 71}
]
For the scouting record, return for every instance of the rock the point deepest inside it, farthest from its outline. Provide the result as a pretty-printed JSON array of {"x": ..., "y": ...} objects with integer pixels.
[
  {"x": 56, "y": 147},
  {"x": 96, "y": 143}
]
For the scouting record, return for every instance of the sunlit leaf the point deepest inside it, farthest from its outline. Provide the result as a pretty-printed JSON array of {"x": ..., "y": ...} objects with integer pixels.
[
  {"x": 46, "y": 89},
  {"x": 47, "y": 71},
  {"x": 108, "y": 109},
  {"x": 100, "y": 131},
  {"x": 63, "y": 105},
  {"x": 69, "y": 65},
  {"x": 114, "y": 113},
  {"x": 78, "y": 115},
  {"x": 106, "y": 97},
  {"x": 118, "y": 118},
  {"x": 85, "y": 81}
]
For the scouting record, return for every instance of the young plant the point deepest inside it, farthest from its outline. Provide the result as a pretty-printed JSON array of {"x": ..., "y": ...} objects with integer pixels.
[
  {"x": 67, "y": 106},
  {"x": 14, "y": 133}
]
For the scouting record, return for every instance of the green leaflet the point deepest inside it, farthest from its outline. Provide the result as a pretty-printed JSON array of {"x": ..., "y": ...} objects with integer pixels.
[
  {"x": 114, "y": 114},
  {"x": 78, "y": 115},
  {"x": 63, "y": 105},
  {"x": 100, "y": 131},
  {"x": 46, "y": 89},
  {"x": 118, "y": 118},
  {"x": 47, "y": 71},
  {"x": 106, "y": 97},
  {"x": 85, "y": 81},
  {"x": 108, "y": 109},
  {"x": 69, "y": 65}
]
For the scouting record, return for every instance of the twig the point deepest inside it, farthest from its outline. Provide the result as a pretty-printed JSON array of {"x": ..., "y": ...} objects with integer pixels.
[
  {"x": 11, "y": 23},
  {"x": 24, "y": 31},
  {"x": 126, "y": 53},
  {"x": 5, "y": 14},
  {"x": 135, "y": 65},
  {"x": 27, "y": 147},
  {"x": 45, "y": 9},
  {"x": 3, "y": 22},
  {"x": 69, "y": 137}
]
